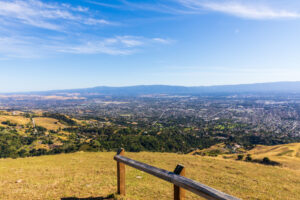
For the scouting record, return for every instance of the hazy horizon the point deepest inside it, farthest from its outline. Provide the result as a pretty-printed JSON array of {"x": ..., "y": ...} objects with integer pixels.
[{"x": 126, "y": 86}]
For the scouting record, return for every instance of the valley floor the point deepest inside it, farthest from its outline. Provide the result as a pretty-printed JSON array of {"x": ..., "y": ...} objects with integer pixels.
[{"x": 85, "y": 175}]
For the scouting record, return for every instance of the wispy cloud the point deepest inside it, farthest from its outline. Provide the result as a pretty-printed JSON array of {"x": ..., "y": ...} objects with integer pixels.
[
  {"x": 56, "y": 27},
  {"x": 244, "y": 9},
  {"x": 162, "y": 40},
  {"x": 119, "y": 45},
  {"x": 251, "y": 9},
  {"x": 104, "y": 4},
  {"x": 160, "y": 6},
  {"x": 14, "y": 47},
  {"x": 30, "y": 47},
  {"x": 45, "y": 15}
]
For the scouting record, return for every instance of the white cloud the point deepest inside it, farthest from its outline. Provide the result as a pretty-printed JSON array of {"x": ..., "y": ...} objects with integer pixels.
[
  {"x": 162, "y": 40},
  {"x": 110, "y": 46},
  {"x": 91, "y": 21},
  {"x": 119, "y": 45},
  {"x": 98, "y": 47},
  {"x": 66, "y": 29},
  {"x": 31, "y": 47},
  {"x": 243, "y": 9},
  {"x": 14, "y": 47},
  {"x": 44, "y": 15},
  {"x": 253, "y": 9},
  {"x": 130, "y": 41}
]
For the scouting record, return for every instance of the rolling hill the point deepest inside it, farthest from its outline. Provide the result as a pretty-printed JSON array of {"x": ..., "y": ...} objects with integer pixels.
[{"x": 286, "y": 154}]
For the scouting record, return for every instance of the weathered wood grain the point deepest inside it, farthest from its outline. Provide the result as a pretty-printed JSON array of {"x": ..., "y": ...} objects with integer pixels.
[
  {"x": 121, "y": 174},
  {"x": 179, "y": 193}
]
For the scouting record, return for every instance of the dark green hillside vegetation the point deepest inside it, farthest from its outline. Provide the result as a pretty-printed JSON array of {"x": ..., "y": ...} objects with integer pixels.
[
  {"x": 93, "y": 139},
  {"x": 42, "y": 133},
  {"x": 39, "y": 141},
  {"x": 166, "y": 141},
  {"x": 11, "y": 144}
]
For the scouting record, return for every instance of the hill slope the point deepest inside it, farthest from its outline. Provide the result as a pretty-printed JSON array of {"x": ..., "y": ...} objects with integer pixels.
[
  {"x": 287, "y": 154},
  {"x": 94, "y": 174}
]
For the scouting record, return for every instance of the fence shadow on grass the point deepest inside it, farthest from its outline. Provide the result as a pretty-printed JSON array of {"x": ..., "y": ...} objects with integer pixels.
[{"x": 109, "y": 197}]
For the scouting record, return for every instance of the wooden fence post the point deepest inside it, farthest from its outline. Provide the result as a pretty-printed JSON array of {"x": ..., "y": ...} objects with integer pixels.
[
  {"x": 179, "y": 193},
  {"x": 121, "y": 173}
]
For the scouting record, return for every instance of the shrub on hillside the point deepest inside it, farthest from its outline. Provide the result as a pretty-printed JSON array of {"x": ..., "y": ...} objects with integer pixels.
[
  {"x": 249, "y": 158},
  {"x": 266, "y": 160},
  {"x": 8, "y": 123},
  {"x": 240, "y": 157}
]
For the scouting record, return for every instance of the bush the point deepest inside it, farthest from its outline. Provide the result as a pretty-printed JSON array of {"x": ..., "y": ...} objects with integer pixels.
[
  {"x": 40, "y": 129},
  {"x": 249, "y": 158},
  {"x": 8, "y": 123},
  {"x": 266, "y": 161},
  {"x": 240, "y": 157},
  {"x": 22, "y": 153}
]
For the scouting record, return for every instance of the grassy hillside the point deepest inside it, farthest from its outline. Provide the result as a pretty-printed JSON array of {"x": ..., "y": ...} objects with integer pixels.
[
  {"x": 49, "y": 123},
  {"x": 94, "y": 175},
  {"x": 217, "y": 149},
  {"x": 287, "y": 154},
  {"x": 19, "y": 120}
]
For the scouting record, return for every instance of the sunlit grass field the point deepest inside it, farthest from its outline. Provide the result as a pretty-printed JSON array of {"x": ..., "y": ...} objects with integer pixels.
[
  {"x": 48, "y": 123},
  {"x": 20, "y": 120},
  {"x": 287, "y": 154},
  {"x": 85, "y": 175}
]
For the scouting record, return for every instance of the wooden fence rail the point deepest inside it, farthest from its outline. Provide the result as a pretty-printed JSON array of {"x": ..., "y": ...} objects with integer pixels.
[{"x": 177, "y": 178}]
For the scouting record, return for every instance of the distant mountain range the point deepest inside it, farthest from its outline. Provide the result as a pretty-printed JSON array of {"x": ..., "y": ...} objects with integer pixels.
[{"x": 269, "y": 88}]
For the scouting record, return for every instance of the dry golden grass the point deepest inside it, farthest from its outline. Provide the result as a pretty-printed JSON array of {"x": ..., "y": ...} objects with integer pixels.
[
  {"x": 287, "y": 154},
  {"x": 277, "y": 150},
  {"x": 94, "y": 175},
  {"x": 48, "y": 123},
  {"x": 20, "y": 120},
  {"x": 38, "y": 145},
  {"x": 38, "y": 112},
  {"x": 221, "y": 147},
  {"x": 80, "y": 122}
]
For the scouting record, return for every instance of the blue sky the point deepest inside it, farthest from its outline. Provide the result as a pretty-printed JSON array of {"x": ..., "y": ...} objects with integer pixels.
[{"x": 84, "y": 43}]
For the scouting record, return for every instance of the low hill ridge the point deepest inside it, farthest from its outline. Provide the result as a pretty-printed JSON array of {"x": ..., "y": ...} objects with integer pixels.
[{"x": 274, "y": 87}]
